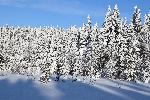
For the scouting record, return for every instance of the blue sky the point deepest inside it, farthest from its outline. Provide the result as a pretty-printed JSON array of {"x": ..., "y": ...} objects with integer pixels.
[{"x": 63, "y": 12}]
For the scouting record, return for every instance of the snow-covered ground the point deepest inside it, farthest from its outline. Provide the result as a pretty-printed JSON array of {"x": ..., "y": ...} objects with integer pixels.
[{"x": 16, "y": 87}]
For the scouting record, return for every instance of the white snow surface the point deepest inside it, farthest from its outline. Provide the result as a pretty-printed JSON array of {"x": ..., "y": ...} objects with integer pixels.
[{"x": 17, "y": 87}]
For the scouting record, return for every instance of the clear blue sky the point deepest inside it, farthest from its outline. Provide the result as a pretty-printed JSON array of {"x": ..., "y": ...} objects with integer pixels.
[{"x": 64, "y": 12}]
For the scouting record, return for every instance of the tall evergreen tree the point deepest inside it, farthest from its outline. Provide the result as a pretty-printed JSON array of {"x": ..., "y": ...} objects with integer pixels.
[{"x": 136, "y": 25}]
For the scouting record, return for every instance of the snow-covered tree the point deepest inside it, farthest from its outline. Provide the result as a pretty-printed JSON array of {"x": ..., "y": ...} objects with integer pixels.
[
  {"x": 86, "y": 48},
  {"x": 136, "y": 21}
]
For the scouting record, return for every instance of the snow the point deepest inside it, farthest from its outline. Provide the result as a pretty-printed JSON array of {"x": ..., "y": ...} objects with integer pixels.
[{"x": 19, "y": 87}]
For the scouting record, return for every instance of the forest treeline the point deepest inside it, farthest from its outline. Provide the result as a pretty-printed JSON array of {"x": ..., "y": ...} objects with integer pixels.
[{"x": 117, "y": 50}]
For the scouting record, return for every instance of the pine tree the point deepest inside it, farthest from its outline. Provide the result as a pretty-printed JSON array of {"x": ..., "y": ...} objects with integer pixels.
[
  {"x": 146, "y": 29},
  {"x": 136, "y": 25},
  {"x": 108, "y": 22},
  {"x": 114, "y": 45},
  {"x": 136, "y": 21},
  {"x": 144, "y": 50},
  {"x": 97, "y": 49},
  {"x": 86, "y": 48},
  {"x": 106, "y": 51}
]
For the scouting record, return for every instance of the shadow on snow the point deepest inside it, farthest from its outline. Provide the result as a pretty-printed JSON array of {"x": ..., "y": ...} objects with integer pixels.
[{"x": 28, "y": 90}]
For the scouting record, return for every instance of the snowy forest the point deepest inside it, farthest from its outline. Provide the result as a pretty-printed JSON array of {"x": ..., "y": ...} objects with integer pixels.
[{"x": 116, "y": 50}]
